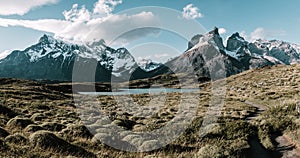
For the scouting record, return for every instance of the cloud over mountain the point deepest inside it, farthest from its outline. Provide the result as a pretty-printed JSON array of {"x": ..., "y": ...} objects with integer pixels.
[
  {"x": 17, "y": 7},
  {"x": 262, "y": 33},
  {"x": 82, "y": 25}
]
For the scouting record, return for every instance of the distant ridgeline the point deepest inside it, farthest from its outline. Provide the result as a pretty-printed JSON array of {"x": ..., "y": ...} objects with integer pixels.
[{"x": 53, "y": 59}]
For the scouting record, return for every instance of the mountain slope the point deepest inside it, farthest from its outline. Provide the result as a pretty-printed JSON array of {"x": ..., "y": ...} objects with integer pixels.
[
  {"x": 52, "y": 59},
  {"x": 206, "y": 58},
  {"x": 206, "y": 55}
]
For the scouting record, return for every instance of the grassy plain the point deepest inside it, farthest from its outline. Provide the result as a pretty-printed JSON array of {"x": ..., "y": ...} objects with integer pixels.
[{"x": 38, "y": 120}]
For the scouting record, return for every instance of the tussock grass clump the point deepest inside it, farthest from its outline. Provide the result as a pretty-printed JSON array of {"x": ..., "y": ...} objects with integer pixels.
[
  {"x": 76, "y": 131},
  {"x": 238, "y": 130},
  {"x": 275, "y": 121},
  {"x": 17, "y": 139},
  {"x": 38, "y": 117},
  {"x": 33, "y": 128},
  {"x": 106, "y": 140},
  {"x": 39, "y": 106},
  {"x": 209, "y": 151},
  {"x": 53, "y": 126},
  {"x": 19, "y": 123},
  {"x": 47, "y": 140}
]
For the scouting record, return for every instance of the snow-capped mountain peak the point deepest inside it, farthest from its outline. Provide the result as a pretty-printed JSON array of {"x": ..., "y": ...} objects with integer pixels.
[
  {"x": 148, "y": 65},
  {"x": 49, "y": 47},
  {"x": 47, "y": 39},
  {"x": 51, "y": 50},
  {"x": 211, "y": 38},
  {"x": 269, "y": 51}
]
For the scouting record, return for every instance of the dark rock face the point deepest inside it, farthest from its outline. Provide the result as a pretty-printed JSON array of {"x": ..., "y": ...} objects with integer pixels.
[
  {"x": 217, "y": 39},
  {"x": 208, "y": 60},
  {"x": 235, "y": 42}
]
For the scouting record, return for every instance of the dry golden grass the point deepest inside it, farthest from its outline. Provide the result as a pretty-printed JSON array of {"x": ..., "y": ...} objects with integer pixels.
[{"x": 27, "y": 108}]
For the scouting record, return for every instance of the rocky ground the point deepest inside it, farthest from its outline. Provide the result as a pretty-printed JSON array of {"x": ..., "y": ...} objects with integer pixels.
[{"x": 39, "y": 120}]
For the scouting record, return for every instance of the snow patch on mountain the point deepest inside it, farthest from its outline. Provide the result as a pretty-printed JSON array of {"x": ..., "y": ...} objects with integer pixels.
[
  {"x": 4, "y": 54},
  {"x": 115, "y": 60},
  {"x": 232, "y": 54},
  {"x": 296, "y": 47},
  {"x": 123, "y": 63},
  {"x": 49, "y": 45},
  {"x": 272, "y": 59},
  {"x": 148, "y": 65}
]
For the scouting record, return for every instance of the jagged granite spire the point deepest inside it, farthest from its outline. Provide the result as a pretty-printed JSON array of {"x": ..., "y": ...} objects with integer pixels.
[
  {"x": 212, "y": 36},
  {"x": 235, "y": 41},
  {"x": 46, "y": 39},
  {"x": 215, "y": 31},
  {"x": 237, "y": 36}
]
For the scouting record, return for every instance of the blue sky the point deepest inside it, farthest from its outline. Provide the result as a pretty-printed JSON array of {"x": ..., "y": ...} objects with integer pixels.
[{"x": 253, "y": 19}]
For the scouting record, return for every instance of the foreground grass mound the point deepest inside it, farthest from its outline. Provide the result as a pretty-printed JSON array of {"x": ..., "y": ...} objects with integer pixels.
[{"x": 48, "y": 140}]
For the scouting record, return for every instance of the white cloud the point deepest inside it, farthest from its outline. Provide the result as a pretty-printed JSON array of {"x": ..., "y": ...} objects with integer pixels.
[
  {"x": 261, "y": 33},
  {"x": 244, "y": 35},
  {"x": 141, "y": 58},
  {"x": 222, "y": 31},
  {"x": 161, "y": 55},
  {"x": 48, "y": 25},
  {"x": 191, "y": 12},
  {"x": 123, "y": 28},
  {"x": 77, "y": 15},
  {"x": 105, "y": 7},
  {"x": 21, "y": 7},
  {"x": 81, "y": 25}
]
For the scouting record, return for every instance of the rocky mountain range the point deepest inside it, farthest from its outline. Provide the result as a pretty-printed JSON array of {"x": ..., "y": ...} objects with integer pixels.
[
  {"x": 53, "y": 59},
  {"x": 207, "y": 53}
]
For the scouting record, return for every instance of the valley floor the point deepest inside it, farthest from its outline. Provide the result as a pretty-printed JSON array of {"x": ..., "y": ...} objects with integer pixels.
[{"x": 259, "y": 117}]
